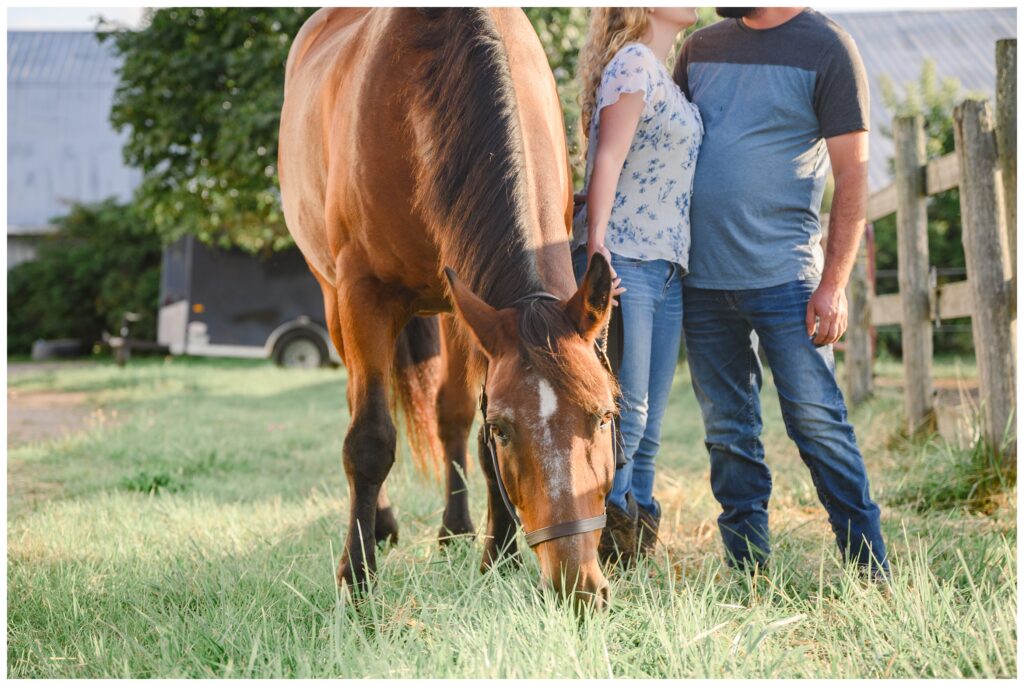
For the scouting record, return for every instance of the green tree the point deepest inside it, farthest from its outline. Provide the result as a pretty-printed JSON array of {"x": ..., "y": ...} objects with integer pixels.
[
  {"x": 933, "y": 98},
  {"x": 200, "y": 94},
  {"x": 101, "y": 262},
  {"x": 561, "y": 31}
]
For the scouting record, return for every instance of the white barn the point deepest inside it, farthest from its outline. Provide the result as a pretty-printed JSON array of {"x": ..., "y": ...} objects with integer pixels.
[
  {"x": 61, "y": 147},
  {"x": 962, "y": 43}
]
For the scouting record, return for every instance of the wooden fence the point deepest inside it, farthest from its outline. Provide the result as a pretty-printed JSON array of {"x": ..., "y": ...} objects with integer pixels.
[{"x": 984, "y": 167}]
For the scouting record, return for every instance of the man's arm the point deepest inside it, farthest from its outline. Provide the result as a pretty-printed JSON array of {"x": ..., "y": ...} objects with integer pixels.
[{"x": 849, "y": 156}]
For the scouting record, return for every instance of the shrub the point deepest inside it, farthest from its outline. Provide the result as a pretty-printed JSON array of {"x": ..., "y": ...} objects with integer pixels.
[
  {"x": 942, "y": 476},
  {"x": 102, "y": 261}
]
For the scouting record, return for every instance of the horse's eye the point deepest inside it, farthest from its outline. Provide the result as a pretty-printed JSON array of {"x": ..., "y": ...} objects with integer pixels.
[
  {"x": 606, "y": 421},
  {"x": 498, "y": 433}
]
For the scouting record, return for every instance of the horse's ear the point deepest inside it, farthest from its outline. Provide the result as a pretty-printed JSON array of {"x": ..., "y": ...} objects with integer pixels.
[
  {"x": 590, "y": 307},
  {"x": 482, "y": 319}
]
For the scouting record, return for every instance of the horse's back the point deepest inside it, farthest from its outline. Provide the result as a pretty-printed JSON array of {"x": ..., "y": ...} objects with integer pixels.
[{"x": 540, "y": 112}]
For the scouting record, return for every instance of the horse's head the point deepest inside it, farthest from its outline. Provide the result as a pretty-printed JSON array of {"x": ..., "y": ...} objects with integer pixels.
[{"x": 550, "y": 404}]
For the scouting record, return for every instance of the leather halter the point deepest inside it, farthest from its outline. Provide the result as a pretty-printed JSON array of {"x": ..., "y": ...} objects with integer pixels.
[{"x": 561, "y": 529}]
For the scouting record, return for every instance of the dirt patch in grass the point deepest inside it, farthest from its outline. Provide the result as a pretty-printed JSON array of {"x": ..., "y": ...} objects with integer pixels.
[
  {"x": 43, "y": 415},
  {"x": 25, "y": 490}
]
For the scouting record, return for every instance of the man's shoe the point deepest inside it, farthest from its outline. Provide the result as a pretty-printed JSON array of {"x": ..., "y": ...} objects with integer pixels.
[
  {"x": 752, "y": 566},
  {"x": 875, "y": 573},
  {"x": 647, "y": 529},
  {"x": 618, "y": 538}
]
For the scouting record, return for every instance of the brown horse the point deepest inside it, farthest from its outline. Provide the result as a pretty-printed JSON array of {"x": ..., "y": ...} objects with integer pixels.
[{"x": 418, "y": 140}]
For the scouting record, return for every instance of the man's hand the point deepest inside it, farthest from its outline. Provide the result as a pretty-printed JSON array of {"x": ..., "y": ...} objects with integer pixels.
[{"x": 828, "y": 309}]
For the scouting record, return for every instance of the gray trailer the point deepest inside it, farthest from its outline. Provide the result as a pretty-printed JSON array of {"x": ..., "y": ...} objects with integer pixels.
[{"x": 229, "y": 303}]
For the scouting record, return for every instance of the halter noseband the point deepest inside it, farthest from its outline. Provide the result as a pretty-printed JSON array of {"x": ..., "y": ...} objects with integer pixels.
[{"x": 561, "y": 529}]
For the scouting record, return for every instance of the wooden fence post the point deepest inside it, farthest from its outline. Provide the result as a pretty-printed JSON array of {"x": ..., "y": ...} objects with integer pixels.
[
  {"x": 988, "y": 265},
  {"x": 1006, "y": 138},
  {"x": 858, "y": 334},
  {"x": 912, "y": 251}
]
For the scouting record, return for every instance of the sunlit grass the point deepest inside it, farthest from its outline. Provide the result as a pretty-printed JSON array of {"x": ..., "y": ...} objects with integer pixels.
[{"x": 228, "y": 568}]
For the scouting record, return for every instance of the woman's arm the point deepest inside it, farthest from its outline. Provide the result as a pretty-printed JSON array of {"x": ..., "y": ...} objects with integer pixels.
[{"x": 614, "y": 137}]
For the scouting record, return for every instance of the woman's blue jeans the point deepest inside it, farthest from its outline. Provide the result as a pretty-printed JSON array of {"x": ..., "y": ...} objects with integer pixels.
[{"x": 652, "y": 325}]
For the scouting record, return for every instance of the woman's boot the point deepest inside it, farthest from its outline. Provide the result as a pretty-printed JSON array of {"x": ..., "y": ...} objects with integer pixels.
[
  {"x": 618, "y": 539},
  {"x": 647, "y": 529}
]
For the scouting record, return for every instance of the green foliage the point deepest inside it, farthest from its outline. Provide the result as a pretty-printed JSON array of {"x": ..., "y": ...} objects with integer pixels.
[
  {"x": 930, "y": 96},
  {"x": 942, "y": 476},
  {"x": 200, "y": 95},
  {"x": 101, "y": 262},
  {"x": 933, "y": 98},
  {"x": 150, "y": 484}
]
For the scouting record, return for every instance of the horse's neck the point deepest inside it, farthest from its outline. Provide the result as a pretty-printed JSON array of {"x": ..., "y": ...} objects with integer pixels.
[{"x": 548, "y": 180}]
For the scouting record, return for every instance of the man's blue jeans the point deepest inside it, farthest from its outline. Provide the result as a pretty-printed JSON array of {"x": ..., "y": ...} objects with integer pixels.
[
  {"x": 722, "y": 328},
  {"x": 652, "y": 320}
]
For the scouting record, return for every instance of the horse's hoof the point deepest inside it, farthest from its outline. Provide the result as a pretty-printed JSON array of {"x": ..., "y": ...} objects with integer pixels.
[
  {"x": 385, "y": 528},
  {"x": 456, "y": 531},
  {"x": 353, "y": 576}
]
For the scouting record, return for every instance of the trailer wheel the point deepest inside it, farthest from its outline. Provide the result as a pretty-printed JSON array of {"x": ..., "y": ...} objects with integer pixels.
[{"x": 301, "y": 349}]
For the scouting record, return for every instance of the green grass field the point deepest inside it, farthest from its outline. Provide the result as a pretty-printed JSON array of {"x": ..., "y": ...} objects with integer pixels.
[{"x": 194, "y": 527}]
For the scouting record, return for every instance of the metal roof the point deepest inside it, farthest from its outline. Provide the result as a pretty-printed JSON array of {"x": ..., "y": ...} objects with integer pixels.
[
  {"x": 962, "y": 43},
  {"x": 67, "y": 57},
  {"x": 61, "y": 147}
]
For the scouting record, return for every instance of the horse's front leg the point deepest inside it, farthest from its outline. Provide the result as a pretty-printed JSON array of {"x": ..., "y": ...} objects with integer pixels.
[
  {"x": 370, "y": 327},
  {"x": 456, "y": 407},
  {"x": 385, "y": 528}
]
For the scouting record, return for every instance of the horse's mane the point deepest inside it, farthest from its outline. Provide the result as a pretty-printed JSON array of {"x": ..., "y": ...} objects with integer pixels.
[
  {"x": 471, "y": 172},
  {"x": 471, "y": 186}
]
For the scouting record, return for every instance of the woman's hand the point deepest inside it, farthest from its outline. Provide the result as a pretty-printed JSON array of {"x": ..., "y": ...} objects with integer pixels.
[{"x": 617, "y": 288}]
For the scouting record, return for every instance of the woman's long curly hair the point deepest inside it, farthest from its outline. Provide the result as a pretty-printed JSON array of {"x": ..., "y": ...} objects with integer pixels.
[{"x": 610, "y": 29}]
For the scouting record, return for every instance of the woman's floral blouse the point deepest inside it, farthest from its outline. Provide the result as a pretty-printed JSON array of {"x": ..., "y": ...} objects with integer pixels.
[{"x": 650, "y": 217}]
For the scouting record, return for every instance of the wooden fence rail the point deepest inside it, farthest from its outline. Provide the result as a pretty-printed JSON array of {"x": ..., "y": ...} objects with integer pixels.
[{"x": 984, "y": 167}]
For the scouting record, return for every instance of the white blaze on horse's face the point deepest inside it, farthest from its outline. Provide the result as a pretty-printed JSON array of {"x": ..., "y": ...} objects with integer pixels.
[
  {"x": 548, "y": 400},
  {"x": 554, "y": 454}
]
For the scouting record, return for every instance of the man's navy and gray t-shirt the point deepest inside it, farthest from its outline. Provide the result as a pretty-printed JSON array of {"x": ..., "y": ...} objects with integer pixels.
[{"x": 768, "y": 99}]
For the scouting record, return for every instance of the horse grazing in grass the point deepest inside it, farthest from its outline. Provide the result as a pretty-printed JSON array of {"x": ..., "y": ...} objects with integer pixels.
[{"x": 424, "y": 170}]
